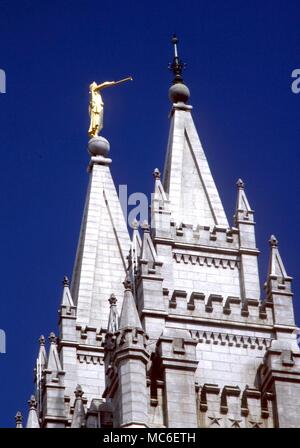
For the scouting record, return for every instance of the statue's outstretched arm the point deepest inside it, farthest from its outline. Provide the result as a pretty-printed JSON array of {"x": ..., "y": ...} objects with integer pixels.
[{"x": 105, "y": 84}]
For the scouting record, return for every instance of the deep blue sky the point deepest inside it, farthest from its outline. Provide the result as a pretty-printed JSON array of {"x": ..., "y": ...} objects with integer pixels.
[{"x": 240, "y": 56}]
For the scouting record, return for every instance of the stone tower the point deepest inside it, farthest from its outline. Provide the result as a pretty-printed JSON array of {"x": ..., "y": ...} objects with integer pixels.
[{"x": 170, "y": 329}]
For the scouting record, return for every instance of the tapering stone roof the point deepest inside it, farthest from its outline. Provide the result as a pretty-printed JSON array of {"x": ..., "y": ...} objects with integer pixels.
[
  {"x": 129, "y": 315},
  {"x": 103, "y": 246}
]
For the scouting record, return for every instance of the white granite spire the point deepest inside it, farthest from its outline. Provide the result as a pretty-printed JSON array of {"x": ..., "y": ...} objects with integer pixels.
[
  {"x": 78, "y": 419},
  {"x": 66, "y": 296},
  {"x": 32, "y": 421},
  {"x": 276, "y": 266},
  {"x": 42, "y": 356},
  {"x": 113, "y": 318},
  {"x": 129, "y": 317},
  {"x": 19, "y": 420},
  {"x": 187, "y": 179},
  {"x": 53, "y": 364},
  {"x": 102, "y": 249},
  {"x": 244, "y": 221},
  {"x": 243, "y": 209}
]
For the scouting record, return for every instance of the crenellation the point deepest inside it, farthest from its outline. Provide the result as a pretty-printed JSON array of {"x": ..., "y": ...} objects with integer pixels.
[
  {"x": 231, "y": 406},
  {"x": 230, "y": 305},
  {"x": 214, "y": 303},
  {"x": 218, "y": 237},
  {"x": 176, "y": 296},
  {"x": 215, "y": 306}
]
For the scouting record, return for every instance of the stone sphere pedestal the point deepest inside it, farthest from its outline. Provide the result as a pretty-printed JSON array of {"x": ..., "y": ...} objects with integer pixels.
[
  {"x": 98, "y": 146},
  {"x": 179, "y": 93}
]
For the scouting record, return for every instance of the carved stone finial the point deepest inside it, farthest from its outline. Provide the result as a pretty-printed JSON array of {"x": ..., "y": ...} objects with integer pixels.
[
  {"x": 52, "y": 338},
  {"x": 19, "y": 418},
  {"x": 66, "y": 281},
  {"x": 78, "y": 391},
  {"x": 127, "y": 283},
  {"x": 156, "y": 174},
  {"x": 112, "y": 300},
  {"x": 42, "y": 339},
  {"x": 113, "y": 319},
  {"x": 240, "y": 183},
  {"x": 32, "y": 403},
  {"x": 273, "y": 241},
  {"x": 145, "y": 226}
]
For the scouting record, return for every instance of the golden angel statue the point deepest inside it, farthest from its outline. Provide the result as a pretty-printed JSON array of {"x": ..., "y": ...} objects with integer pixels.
[{"x": 96, "y": 105}]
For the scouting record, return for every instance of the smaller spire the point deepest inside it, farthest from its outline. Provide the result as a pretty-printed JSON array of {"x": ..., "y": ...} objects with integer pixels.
[
  {"x": 41, "y": 361},
  {"x": 135, "y": 247},
  {"x": 78, "y": 419},
  {"x": 32, "y": 421},
  {"x": 19, "y": 420},
  {"x": 276, "y": 266},
  {"x": 159, "y": 198},
  {"x": 148, "y": 252},
  {"x": 41, "y": 364},
  {"x": 278, "y": 288},
  {"x": 129, "y": 315},
  {"x": 177, "y": 66},
  {"x": 113, "y": 318},
  {"x": 159, "y": 191},
  {"x": 53, "y": 360},
  {"x": 243, "y": 211},
  {"x": 66, "y": 297}
]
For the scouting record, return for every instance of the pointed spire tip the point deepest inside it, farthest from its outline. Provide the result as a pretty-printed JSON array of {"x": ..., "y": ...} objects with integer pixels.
[
  {"x": 273, "y": 241},
  {"x": 52, "y": 338},
  {"x": 240, "y": 183},
  {"x": 32, "y": 402},
  {"x": 112, "y": 300},
  {"x": 156, "y": 174},
  {"x": 145, "y": 226},
  {"x": 65, "y": 281},
  {"x": 78, "y": 391},
  {"x": 127, "y": 283},
  {"x": 19, "y": 416}
]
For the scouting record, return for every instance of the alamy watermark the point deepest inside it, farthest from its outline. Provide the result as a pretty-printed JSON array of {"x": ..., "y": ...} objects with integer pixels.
[
  {"x": 295, "y": 86},
  {"x": 2, "y": 81},
  {"x": 138, "y": 199}
]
